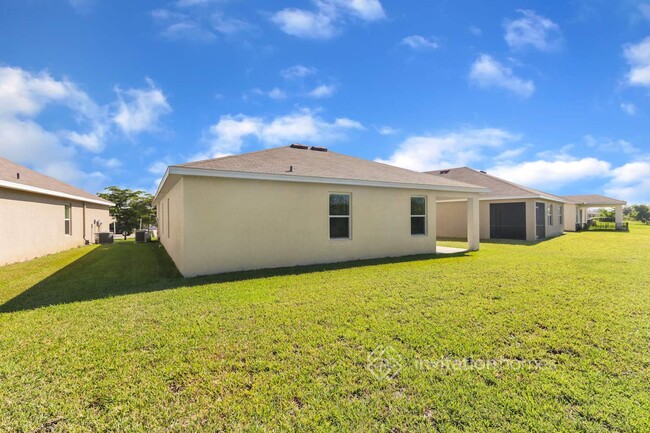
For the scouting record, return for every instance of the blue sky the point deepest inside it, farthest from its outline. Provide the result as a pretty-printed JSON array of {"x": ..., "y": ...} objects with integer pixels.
[{"x": 554, "y": 95}]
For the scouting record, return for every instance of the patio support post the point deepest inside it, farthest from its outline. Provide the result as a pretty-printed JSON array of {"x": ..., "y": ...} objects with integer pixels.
[
  {"x": 473, "y": 224},
  {"x": 619, "y": 216}
]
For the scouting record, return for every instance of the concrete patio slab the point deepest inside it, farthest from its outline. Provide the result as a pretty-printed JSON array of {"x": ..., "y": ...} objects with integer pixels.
[{"x": 450, "y": 250}]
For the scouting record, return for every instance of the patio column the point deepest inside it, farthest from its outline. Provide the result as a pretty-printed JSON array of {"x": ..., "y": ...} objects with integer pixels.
[
  {"x": 619, "y": 216},
  {"x": 473, "y": 224}
]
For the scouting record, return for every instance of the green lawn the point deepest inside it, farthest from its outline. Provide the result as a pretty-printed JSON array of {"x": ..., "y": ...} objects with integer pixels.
[{"x": 547, "y": 337}]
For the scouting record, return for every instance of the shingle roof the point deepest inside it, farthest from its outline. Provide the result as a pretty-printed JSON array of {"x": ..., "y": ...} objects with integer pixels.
[
  {"x": 594, "y": 199},
  {"x": 499, "y": 188},
  {"x": 45, "y": 184},
  {"x": 326, "y": 165}
]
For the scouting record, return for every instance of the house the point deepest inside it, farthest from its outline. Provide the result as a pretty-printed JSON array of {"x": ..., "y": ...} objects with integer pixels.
[
  {"x": 40, "y": 215},
  {"x": 507, "y": 211},
  {"x": 579, "y": 206},
  {"x": 300, "y": 205}
]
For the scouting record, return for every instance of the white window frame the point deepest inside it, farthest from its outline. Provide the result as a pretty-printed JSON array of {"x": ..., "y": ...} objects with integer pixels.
[
  {"x": 549, "y": 214},
  {"x": 167, "y": 220},
  {"x": 348, "y": 216},
  {"x": 67, "y": 207},
  {"x": 426, "y": 218},
  {"x": 560, "y": 216}
]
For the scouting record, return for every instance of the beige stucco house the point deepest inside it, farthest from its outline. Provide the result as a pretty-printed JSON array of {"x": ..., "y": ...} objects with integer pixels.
[
  {"x": 578, "y": 206},
  {"x": 507, "y": 211},
  {"x": 40, "y": 215},
  {"x": 299, "y": 205}
]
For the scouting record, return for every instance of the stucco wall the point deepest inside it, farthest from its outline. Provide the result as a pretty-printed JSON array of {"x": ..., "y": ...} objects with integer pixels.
[
  {"x": 171, "y": 213},
  {"x": 32, "y": 225},
  {"x": 570, "y": 211},
  {"x": 232, "y": 224}
]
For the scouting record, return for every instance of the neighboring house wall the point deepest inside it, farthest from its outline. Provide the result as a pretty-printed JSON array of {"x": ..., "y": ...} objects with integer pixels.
[
  {"x": 232, "y": 224},
  {"x": 33, "y": 225},
  {"x": 171, "y": 223},
  {"x": 452, "y": 220},
  {"x": 570, "y": 217}
]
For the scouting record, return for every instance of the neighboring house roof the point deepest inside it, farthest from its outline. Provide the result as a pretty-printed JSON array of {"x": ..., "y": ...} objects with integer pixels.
[
  {"x": 303, "y": 164},
  {"x": 499, "y": 188},
  {"x": 17, "y": 177},
  {"x": 594, "y": 200}
]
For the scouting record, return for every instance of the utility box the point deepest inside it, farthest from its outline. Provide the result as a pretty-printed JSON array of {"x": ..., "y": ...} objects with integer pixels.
[
  {"x": 104, "y": 238},
  {"x": 142, "y": 236}
]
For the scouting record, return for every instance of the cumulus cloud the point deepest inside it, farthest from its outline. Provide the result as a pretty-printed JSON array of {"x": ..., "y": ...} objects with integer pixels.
[
  {"x": 227, "y": 136},
  {"x": 551, "y": 174},
  {"x": 454, "y": 149},
  {"x": 487, "y": 72},
  {"x": 297, "y": 72},
  {"x": 139, "y": 110},
  {"x": 612, "y": 146},
  {"x": 387, "y": 130},
  {"x": 327, "y": 19},
  {"x": 638, "y": 56},
  {"x": 417, "y": 42},
  {"x": 322, "y": 91},
  {"x": 532, "y": 30},
  {"x": 631, "y": 182},
  {"x": 628, "y": 108}
]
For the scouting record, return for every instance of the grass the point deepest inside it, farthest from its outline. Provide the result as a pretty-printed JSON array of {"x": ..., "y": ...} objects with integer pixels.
[{"x": 110, "y": 338}]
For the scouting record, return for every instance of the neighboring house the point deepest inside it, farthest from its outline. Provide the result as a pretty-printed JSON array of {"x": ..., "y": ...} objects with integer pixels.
[
  {"x": 296, "y": 205},
  {"x": 507, "y": 211},
  {"x": 40, "y": 215},
  {"x": 578, "y": 210}
]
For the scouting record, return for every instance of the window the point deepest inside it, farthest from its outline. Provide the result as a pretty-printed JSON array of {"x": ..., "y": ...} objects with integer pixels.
[
  {"x": 418, "y": 216},
  {"x": 550, "y": 214},
  {"x": 68, "y": 227},
  {"x": 561, "y": 215},
  {"x": 339, "y": 216},
  {"x": 167, "y": 217}
]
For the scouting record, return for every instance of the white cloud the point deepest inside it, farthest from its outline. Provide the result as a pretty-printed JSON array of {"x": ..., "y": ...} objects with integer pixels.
[
  {"x": 305, "y": 24},
  {"x": 158, "y": 168},
  {"x": 228, "y": 134},
  {"x": 387, "y": 130},
  {"x": 276, "y": 93},
  {"x": 418, "y": 42},
  {"x": 110, "y": 163},
  {"x": 487, "y": 72},
  {"x": 180, "y": 26},
  {"x": 609, "y": 145},
  {"x": 327, "y": 19},
  {"x": 430, "y": 152},
  {"x": 549, "y": 174},
  {"x": 229, "y": 26},
  {"x": 631, "y": 182},
  {"x": 139, "y": 110},
  {"x": 185, "y": 22},
  {"x": 532, "y": 30},
  {"x": 297, "y": 71},
  {"x": 628, "y": 108},
  {"x": 476, "y": 31},
  {"x": 638, "y": 56},
  {"x": 322, "y": 91},
  {"x": 510, "y": 153}
]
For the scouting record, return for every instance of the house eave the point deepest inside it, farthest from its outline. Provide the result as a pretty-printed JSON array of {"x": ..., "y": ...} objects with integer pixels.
[{"x": 43, "y": 191}]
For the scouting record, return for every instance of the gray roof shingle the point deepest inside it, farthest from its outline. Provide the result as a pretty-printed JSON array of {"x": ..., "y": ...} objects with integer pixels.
[
  {"x": 499, "y": 188},
  {"x": 594, "y": 199},
  {"x": 31, "y": 178},
  {"x": 327, "y": 165}
]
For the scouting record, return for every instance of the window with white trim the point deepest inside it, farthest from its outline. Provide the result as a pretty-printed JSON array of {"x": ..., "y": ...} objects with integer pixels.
[
  {"x": 339, "y": 216},
  {"x": 68, "y": 219},
  {"x": 549, "y": 211},
  {"x": 418, "y": 216},
  {"x": 561, "y": 215}
]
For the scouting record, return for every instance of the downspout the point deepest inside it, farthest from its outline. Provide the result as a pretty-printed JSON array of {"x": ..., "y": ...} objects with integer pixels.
[{"x": 84, "y": 223}]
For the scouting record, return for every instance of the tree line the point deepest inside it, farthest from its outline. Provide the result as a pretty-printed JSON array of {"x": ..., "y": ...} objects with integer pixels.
[{"x": 133, "y": 209}]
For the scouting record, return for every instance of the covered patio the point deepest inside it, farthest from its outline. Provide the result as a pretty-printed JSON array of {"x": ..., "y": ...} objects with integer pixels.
[{"x": 582, "y": 203}]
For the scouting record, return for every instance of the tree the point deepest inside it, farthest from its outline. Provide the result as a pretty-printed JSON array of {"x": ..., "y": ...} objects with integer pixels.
[
  {"x": 607, "y": 215},
  {"x": 132, "y": 210},
  {"x": 640, "y": 212}
]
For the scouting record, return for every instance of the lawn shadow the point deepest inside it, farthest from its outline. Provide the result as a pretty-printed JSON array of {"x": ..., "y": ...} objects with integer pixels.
[{"x": 127, "y": 268}]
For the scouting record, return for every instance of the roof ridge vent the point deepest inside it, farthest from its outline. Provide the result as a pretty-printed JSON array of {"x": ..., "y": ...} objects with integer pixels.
[
  {"x": 483, "y": 171},
  {"x": 319, "y": 149},
  {"x": 299, "y": 146},
  {"x": 444, "y": 171}
]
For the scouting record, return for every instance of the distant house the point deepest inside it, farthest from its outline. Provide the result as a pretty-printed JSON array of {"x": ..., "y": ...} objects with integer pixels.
[
  {"x": 299, "y": 205},
  {"x": 507, "y": 211},
  {"x": 40, "y": 215},
  {"x": 579, "y": 206}
]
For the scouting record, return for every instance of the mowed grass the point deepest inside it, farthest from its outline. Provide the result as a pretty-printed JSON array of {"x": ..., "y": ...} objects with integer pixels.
[{"x": 110, "y": 338}]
